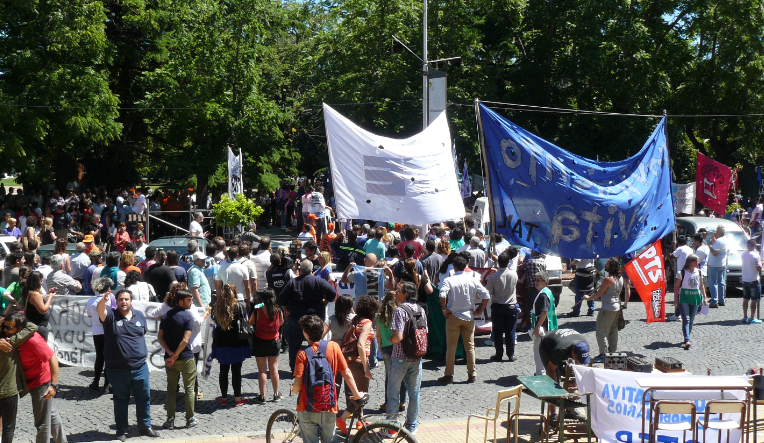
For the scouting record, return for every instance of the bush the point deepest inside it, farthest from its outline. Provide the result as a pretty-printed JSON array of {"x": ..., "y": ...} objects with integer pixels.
[{"x": 239, "y": 211}]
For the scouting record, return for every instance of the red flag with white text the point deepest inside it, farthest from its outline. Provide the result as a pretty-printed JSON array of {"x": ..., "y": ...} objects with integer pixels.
[
  {"x": 712, "y": 182},
  {"x": 647, "y": 274}
]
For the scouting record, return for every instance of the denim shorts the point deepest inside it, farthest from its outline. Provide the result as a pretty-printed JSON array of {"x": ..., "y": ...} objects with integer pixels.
[{"x": 752, "y": 291}]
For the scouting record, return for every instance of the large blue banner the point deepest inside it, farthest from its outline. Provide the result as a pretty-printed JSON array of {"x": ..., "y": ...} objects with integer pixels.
[{"x": 553, "y": 201}]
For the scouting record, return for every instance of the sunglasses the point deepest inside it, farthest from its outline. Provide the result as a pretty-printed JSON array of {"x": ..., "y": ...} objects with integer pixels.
[{"x": 8, "y": 327}]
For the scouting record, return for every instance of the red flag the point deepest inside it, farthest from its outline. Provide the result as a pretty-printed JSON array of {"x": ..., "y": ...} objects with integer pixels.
[
  {"x": 712, "y": 182},
  {"x": 646, "y": 273}
]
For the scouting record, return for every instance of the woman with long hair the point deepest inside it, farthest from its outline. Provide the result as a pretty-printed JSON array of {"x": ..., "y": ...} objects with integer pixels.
[
  {"x": 339, "y": 322},
  {"x": 265, "y": 345},
  {"x": 35, "y": 303},
  {"x": 424, "y": 287},
  {"x": 386, "y": 239},
  {"x": 100, "y": 287},
  {"x": 692, "y": 294},
  {"x": 229, "y": 349},
  {"x": 47, "y": 233},
  {"x": 366, "y": 311},
  {"x": 446, "y": 269},
  {"x": 60, "y": 249},
  {"x": 140, "y": 289},
  {"x": 384, "y": 321},
  {"x": 444, "y": 249},
  {"x": 325, "y": 270},
  {"x": 172, "y": 262},
  {"x": 30, "y": 232},
  {"x": 607, "y": 317}
]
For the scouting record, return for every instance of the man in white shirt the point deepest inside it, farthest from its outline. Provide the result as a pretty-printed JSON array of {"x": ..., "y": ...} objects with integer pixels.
[
  {"x": 458, "y": 296},
  {"x": 196, "y": 230},
  {"x": 139, "y": 204},
  {"x": 262, "y": 260},
  {"x": 756, "y": 216},
  {"x": 233, "y": 272},
  {"x": 751, "y": 285},
  {"x": 79, "y": 262},
  {"x": 140, "y": 247},
  {"x": 717, "y": 267}
]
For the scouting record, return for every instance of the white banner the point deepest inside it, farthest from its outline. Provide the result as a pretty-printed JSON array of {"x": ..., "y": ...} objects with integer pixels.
[
  {"x": 379, "y": 178},
  {"x": 617, "y": 404},
  {"x": 71, "y": 334},
  {"x": 235, "y": 180},
  {"x": 684, "y": 198}
]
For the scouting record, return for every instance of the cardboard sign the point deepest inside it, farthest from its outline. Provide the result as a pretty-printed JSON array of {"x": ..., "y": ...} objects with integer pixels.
[
  {"x": 712, "y": 182},
  {"x": 648, "y": 276}
]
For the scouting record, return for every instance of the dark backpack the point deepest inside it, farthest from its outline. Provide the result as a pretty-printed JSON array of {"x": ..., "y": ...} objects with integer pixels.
[
  {"x": 414, "y": 343},
  {"x": 320, "y": 390}
]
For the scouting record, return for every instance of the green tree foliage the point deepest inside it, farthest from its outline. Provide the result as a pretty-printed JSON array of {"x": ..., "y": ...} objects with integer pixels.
[{"x": 239, "y": 211}]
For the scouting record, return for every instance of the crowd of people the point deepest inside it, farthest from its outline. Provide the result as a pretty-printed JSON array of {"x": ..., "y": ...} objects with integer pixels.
[{"x": 266, "y": 301}]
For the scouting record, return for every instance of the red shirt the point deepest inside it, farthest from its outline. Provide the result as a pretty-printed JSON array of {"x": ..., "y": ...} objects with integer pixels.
[
  {"x": 417, "y": 248},
  {"x": 35, "y": 356}
]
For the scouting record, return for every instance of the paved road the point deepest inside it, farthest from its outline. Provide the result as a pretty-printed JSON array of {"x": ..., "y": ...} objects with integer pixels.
[{"x": 720, "y": 343}]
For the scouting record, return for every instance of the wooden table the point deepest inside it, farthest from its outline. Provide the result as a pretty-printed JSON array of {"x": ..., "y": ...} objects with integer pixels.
[
  {"x": 692, "y": 383},
  {"x": 548, "y": 391}
]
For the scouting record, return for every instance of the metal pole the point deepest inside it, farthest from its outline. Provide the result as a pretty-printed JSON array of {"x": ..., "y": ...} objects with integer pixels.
[{"x": 425, "y": 81}]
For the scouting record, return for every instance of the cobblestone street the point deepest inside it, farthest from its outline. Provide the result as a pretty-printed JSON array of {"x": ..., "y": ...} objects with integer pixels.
[{"x": 721, "y": 343}]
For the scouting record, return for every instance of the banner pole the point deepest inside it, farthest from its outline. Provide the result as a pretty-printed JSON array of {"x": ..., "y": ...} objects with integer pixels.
[{"x": 484, "y": 158}]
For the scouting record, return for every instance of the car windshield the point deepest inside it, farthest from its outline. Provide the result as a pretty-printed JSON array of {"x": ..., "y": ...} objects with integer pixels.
[{"x": 737, "y": 241}]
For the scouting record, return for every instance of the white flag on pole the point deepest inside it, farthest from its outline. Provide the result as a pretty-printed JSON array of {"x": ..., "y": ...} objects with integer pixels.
[
  {"x": 234, "y": 173},
  {"x": 411, "y": 180}
]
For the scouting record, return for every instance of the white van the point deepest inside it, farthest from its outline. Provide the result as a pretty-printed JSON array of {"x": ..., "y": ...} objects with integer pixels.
[{"x": 482, "y": 216}]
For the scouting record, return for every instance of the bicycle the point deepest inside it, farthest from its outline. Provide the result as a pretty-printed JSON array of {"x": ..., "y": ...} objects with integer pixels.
[{"x": 284, "y": 427}]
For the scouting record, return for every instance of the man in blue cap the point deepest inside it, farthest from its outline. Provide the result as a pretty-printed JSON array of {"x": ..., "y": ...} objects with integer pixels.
[{"x": 555, "y": 349}]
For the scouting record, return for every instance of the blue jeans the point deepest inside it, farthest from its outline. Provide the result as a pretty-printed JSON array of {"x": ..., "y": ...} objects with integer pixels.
[
  {"x": 125, "y": 210},
  {"x": 315, "y": 425},
  {"x": 136, "y": 380},
  {"x": 717, "y": 283},
  {"x": 387, "y": 353},
  {"x": 688, "y": 318},
  {"x": 504, "y": 321},
  {"x": 409, "y": 372},
  {"x": 579, "y": 298},
  {"x": 294, "y": 339}
]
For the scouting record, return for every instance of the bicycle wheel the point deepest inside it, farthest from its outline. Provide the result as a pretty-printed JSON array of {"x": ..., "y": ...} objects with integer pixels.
[
  {"x": 283, "y": 427},
  {"x": 384, "y": 432}
]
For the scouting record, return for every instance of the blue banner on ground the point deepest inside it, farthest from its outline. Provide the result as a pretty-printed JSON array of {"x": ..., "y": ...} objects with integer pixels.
[{"x": 557, "y": 202}]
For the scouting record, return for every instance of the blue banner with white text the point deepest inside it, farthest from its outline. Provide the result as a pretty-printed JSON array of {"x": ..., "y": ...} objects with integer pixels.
[{"x": 553, "y": 201}]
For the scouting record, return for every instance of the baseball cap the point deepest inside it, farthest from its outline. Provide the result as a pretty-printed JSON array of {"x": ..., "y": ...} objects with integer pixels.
[
  {"x": 199, "y": 255},
  {"x": 391, "y": 225},
  {"x": 481, "y": 230},
  {"x": 581, "y": 349},
  {"x": 88, "y": 239}
]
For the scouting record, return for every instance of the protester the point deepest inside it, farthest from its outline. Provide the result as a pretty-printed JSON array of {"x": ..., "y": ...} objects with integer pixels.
[
  {"x": 40, "y": 366},
  {"x": 325, "y": 269},
  {"x": 501, "y": 286},
  {"x": 543, "y": 317},
  {"x": 691, "y": 295},
  {"x": 230, "y": 349},
  {"x": 174, "y": 335},
  {"x": 583, "y": 284},
  {"x": 374, "y": 245},
  {"x": 172, "y": 261},
  {"x": 304, "y": 295},
  {"x": 233, "y": 272},
  {"x": 197, "y": 282},
  {"x": 751, "y": 286},
  {"x": 125, "y": 355},
  {"x": 531, "y": 267},
  {"x": 101, "y": 287},
  {"x": 458, "y": 296},
  {"x": 607, "y": 318},
  {"x": 318, "y": 425},
  {"x": 36, "y": 305},
  {"x": 111, "y": 270},
  {"x": 267, "y": 322},
  {"x": 159, "y": 275},
  {"x": 12, "y": 380},
  {"x": 405, "y": 369},
  {"x": 554, "y": 351},
  {"x": 717, "y": 267},
  {"x": 196, "y": 230}
]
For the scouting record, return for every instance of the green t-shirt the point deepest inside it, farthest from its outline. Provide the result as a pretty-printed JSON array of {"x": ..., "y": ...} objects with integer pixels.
[
  {"x": 385, "y": 333},
  {"x": 4, "y": 302}
]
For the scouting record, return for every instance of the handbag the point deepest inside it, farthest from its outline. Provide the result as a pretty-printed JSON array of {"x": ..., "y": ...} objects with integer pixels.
[
  {"x": 246, "y": 331},
  {"x": 349, "y": 344},
  {"x": 621, "y": 320}
]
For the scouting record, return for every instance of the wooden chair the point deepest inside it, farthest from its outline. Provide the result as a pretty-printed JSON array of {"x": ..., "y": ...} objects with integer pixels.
[
  {"x": 493, "y": 414},
  {"x": 666, "y": 407},
  {"x": 722, "y": 407}
]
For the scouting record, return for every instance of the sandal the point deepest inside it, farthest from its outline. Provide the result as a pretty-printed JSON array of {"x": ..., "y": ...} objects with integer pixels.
[{"x": 199, "y": 396}]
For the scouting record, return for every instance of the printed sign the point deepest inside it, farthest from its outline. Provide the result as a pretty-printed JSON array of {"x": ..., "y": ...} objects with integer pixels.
[
  {"x": 712, "y": 182},
  {"x": 616, "y": 405},
  {"x": 684, "y": 198},
  {"x": 646, "y": 272},
  {"x": 71, "y": 336}
]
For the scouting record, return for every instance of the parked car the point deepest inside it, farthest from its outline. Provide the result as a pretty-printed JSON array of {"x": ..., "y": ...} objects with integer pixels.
[
  {"x": 44, "y": 251},
  {"x": 738, "y": 238},
  {"x": 178, "y": 243}
]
